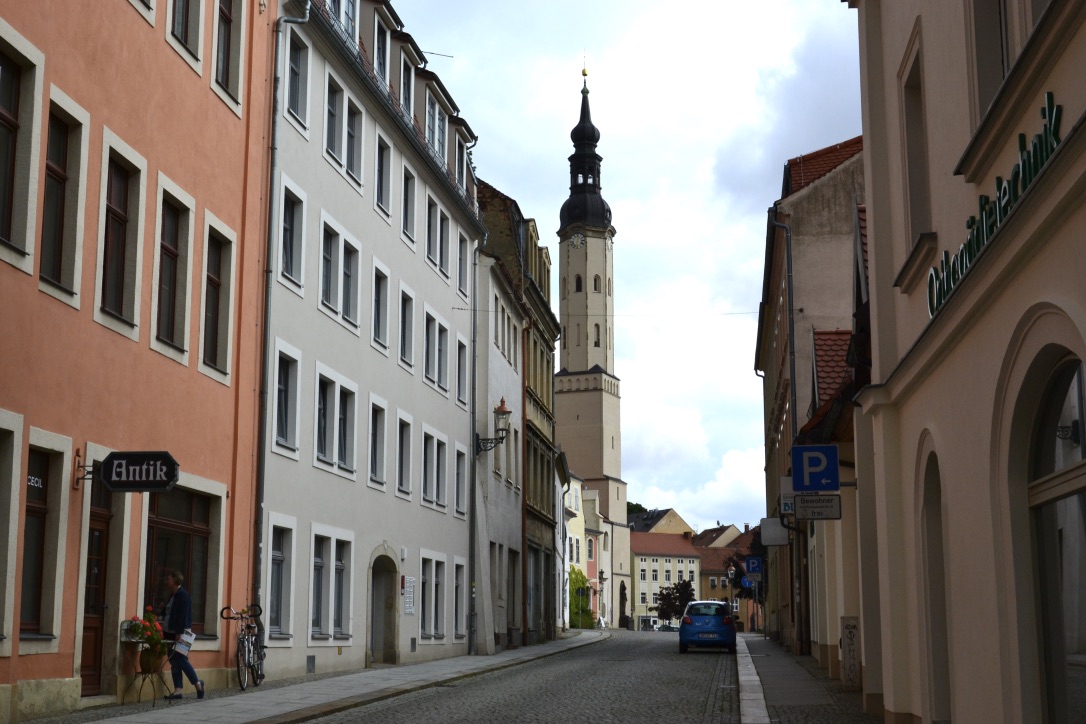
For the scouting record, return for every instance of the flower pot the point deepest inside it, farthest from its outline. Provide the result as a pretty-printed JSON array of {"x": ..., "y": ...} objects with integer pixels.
[{"x": 151, "y": 661}]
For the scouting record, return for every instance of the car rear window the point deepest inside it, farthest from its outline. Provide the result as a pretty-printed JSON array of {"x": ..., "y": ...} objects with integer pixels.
[{"x": 705, "y": 609}]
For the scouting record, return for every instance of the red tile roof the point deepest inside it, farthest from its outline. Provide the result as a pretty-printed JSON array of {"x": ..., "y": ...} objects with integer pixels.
[
  {"x": 831, "y": 365},
  {"x": 802, "y": 171},
  {"x": 663, "y": 544}
]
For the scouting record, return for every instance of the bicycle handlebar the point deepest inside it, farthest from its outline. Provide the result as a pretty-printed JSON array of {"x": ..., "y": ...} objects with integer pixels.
[{"x": 253, "y": 611}]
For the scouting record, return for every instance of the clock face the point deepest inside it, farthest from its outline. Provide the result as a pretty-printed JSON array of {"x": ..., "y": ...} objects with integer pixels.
[{"x": 576, "y": 241}]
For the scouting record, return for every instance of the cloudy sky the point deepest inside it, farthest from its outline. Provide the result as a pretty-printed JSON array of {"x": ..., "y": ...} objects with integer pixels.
[{"x": 699, "y": 105}]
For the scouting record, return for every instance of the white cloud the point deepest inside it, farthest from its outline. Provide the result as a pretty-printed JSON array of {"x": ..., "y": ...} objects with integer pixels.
[{"x": 699, "y": 106}]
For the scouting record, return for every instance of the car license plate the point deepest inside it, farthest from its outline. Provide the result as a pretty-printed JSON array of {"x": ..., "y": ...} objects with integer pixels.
[{"x": 706, "y": 636}]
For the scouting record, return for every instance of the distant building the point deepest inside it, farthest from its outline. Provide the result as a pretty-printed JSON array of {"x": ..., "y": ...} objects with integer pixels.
[
  {"x": 587, "y": 397},
  {"x": 659, "y": 521},
  {"x": 661, "y": 560}
]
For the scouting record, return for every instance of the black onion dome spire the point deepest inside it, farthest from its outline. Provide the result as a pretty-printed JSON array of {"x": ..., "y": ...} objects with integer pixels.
[{"x": 585, "y": 204}]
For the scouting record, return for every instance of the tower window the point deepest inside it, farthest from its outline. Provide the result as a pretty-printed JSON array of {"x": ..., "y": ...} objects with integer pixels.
[
  {"x": 596, "y": 340},
  {"x": 578, "y": 285},
  {"x": 597, "y": 284}
]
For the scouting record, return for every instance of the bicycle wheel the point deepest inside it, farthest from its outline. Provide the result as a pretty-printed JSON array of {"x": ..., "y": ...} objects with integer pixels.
[
  {"x": 242, "y": 657},
  {"x": 256, "y": 661}
]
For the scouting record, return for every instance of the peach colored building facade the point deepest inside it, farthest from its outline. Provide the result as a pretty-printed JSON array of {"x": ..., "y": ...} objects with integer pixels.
[{"x": 131, "y": 250}]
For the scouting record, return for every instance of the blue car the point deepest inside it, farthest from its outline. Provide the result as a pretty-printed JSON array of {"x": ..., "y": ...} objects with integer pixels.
[{"x": 707, "y": 623}]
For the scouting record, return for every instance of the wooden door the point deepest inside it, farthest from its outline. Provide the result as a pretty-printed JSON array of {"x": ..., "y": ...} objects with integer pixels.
[{"x": 94, "y": 599}]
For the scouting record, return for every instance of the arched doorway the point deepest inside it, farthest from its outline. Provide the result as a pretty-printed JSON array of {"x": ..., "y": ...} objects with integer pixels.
[
  {"x": 938, "y": 654},
  {"x": 383, "y": 618}
]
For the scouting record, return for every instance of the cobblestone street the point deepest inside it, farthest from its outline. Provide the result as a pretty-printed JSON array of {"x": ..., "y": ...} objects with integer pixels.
[{"x": 631, "y": 677}]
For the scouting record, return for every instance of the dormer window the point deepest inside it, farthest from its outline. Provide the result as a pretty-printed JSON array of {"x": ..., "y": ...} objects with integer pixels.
[
  {"x": 380, "y": 50},
  {"x": 461, "y": 163},
  {"x": 407, "y": 82},
  {"x": 437, "y": 123}
]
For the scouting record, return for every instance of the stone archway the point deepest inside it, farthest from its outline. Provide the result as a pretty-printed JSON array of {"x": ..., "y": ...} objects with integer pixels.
[{"x": 383, "y": 610}]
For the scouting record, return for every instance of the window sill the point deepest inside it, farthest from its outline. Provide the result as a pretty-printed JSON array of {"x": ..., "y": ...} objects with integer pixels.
[
  {"x": 54, "y": 284},
  {"x": 921, "y": 258},
  {"x": 118, "y": 317},
  {"x": 36, "y": 637},
  {"x": 342, "y": 637},
  {"x": 321, "y": 637},
  {"x": 279, "y": 637}
]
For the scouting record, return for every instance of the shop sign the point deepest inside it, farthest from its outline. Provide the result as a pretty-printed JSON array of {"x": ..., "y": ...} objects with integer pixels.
[
  {"x": 139, "y": 472},
  {"x": 992, "y": 212}
]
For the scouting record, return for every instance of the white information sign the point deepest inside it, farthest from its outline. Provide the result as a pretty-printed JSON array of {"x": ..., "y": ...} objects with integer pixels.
[
  {"x": 818, "y": 507},
  {"x": 409, "y": 595}
]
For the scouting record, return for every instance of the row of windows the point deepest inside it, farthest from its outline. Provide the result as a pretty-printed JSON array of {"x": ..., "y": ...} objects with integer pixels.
[
  {"x": 344, "y": 126},
  {"x": 575, "y": 549},
  {"x": 667, "y": 574},
  {"x": 185, "y": 24},
  {"x": 335, "y": 440},
  {"x": 180, "y": 229},
  {"x": 341, "y": 289},
  {"x": 667, "y": 561},
  {"x": 598, "y": 335},
  {"x": 578, "y": 285},
  {"x": 333, "y": 582}
]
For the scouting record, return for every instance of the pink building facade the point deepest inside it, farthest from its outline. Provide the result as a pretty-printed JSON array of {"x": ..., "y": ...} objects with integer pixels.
[{"x": 131, "y": 254}]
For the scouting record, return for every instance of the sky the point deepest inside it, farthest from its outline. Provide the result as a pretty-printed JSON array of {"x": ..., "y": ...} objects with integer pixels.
[{"x": 699, "y": 105}]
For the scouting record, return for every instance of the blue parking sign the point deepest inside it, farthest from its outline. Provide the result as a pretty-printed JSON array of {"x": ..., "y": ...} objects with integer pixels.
[
  {"x": 815, "y": 469},
  {"x": 754, "y": 565}
]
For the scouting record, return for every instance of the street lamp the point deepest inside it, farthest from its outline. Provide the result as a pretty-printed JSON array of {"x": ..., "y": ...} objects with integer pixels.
[{"x": 501, "y": 427}]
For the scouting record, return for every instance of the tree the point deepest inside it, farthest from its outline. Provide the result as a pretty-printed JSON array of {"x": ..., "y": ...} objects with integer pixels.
[
  {"x": 580, "y": 599},
  {"x": 672, "y": 600},
  {"x": 634, "y": 508}
]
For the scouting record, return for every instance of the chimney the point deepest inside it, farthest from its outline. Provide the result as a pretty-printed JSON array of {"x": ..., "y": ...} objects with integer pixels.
[{"x": 746, "y": 527}]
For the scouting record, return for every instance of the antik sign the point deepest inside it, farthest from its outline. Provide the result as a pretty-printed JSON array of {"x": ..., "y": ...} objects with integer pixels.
[{"x": 992, "y": 212}]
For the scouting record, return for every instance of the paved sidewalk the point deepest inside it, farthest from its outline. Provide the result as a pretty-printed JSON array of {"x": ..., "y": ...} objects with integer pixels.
[
  {"x": 301, "y": 702},
  {"x": 777, "y": 686}
]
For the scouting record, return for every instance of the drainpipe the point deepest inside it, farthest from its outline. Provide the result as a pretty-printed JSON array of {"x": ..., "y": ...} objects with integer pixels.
[
  {"x": 269, "y": 273},
  {"x": 473, "y": 407},
  {"x": 800, "y": 545}
]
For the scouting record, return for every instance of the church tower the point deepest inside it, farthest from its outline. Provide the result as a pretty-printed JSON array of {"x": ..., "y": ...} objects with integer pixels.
[{"x": 586, "y": 389}]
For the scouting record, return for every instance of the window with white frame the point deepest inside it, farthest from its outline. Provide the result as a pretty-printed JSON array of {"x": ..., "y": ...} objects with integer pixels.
[
  {"x": 353, "y": 154},
  {"x": 382, "y": 169},
  {"x": 443, "y": 243},
  {"x": 377, "y": 441},
  {"x": 173, "y": 264},
  {"x": 443, "y": 357},
  {"x": 329, "y": 268},
  {"x": 349, "y": 286},
  {"x": 380, "y": 306},
  {"x": 462, "y": 262},
  {"x": 407, "y": 327},
  {"x": 64, "y": 199},
  {"x": 218, "y": 296},
  {"x": 339, "y": 272},
  {"x": 458, "y": 600},
  {"x": 381, "y": 47},
  {"x": 297, "y": 90},
  {"x": 407, "y": 84},
  {"x": 429, "y": 352},
  {"x": 440, "y": 470},
  {"x": 334, "y": 104},
  {"x": 589, "y": 543},
  {"x": 655, "y": 598},
  {"x": 280, "y": 576},
  {"x": 124, "y": 187},
  {"x": 320, "y": 585},
  {"x": 407, "y": 224},
  {"x": 228, "y": 39},
  {"x": 22, "y": 80},
  {"x": 186, "y": 23},
  {"x": 461, "y": 163},
  {"x": 439, "y": 599},
  {"x": 428, "y": 466},
  {"x": 341, "y": 590},
  {"x": 286, "y": 397},
  {"x": 431, "y": 229},
  {"x": 334, "y": 420},
  {"x": 292, "y": 235},
  {"x": 425, "y": 597},
  {"x": 460, "y": 481},
  {"x": 461, "y": 371},
  {"x": 667, "y": 575},
  {"x": 331, "y": 600},
  {"x": 431, "y": 595},
  {"x": 655, "y": 575},
  {"x": 644, "y": 598},
  {"x": 403, "y": 456},
  {"x": 644, "y": 573}
]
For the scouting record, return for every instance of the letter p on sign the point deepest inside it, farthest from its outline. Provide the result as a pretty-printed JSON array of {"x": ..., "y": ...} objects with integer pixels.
[{"x": 815, "y": 468}]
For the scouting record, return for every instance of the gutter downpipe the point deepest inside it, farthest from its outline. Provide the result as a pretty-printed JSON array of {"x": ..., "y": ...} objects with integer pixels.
[
  {"x": 265, "y": 365},
  {"x": 474, "y": 406},
  {"x": 798, "y": 549}
]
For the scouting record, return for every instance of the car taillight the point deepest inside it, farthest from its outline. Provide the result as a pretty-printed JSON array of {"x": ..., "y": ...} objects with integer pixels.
[
  {"x": 687, "y": 620},
  {"x": 727, "y": 620}
]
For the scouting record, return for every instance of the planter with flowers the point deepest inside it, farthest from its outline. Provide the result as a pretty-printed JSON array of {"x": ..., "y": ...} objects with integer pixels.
[{"x": 147, "y": 632}]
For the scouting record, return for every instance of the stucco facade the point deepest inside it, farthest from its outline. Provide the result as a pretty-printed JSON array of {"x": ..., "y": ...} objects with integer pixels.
[
  {"x": 975, "y": 167},
  {"x": 369, "y": 443},
  {"x": 130, "y": 266}
]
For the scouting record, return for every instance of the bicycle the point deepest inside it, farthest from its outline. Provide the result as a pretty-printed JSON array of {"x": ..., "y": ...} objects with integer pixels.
[{"x": 250, "y": 654}]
